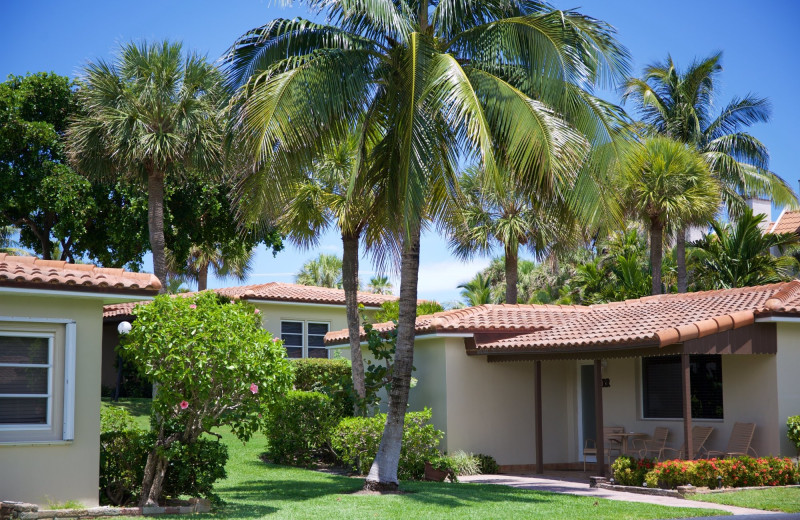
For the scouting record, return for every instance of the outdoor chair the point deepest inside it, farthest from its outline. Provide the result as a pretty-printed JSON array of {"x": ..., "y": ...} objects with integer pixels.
[
  {"x": 739, "y": 443},
  {"x": 612, "y": 444},
  {"x": 654, "y": 444},
  {"x": 700, "y": 435}
]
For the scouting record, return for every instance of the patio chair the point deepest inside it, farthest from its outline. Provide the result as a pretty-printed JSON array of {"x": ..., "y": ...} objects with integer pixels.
[
  {"x": 739, "y": 443},
  {"x": 700, "y": 435},
  {"x": 612, "y": 444},
  {"x": 654, "y": 444}
]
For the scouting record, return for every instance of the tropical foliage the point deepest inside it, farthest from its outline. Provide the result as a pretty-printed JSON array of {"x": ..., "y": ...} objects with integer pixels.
[{"x": 323, "y": 271}]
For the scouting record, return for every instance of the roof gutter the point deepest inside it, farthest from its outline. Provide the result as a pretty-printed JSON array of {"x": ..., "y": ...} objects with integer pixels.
[
  {"x": 421, "y": 336},
  {"x": 305, "y": 304},
  {"x": 107, "y": 297}
]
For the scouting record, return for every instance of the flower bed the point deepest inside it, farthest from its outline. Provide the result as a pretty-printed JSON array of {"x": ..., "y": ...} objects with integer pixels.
[{"x": 734, "y": 472}]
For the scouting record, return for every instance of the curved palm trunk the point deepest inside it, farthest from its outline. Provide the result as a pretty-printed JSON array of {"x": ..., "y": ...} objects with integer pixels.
[
  {"x": 383, "y": 473},
  {"x": 656, "y": 253},
  {"x": 512, "y": 273},
  {"x": 350, "y": 285},
  {"x": 155, "y": 225},
  {"x": 680, "y": 253}
]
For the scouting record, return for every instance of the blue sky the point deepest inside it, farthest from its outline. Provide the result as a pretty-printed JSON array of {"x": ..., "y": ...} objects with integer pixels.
[{"x": 758, "y": 40}]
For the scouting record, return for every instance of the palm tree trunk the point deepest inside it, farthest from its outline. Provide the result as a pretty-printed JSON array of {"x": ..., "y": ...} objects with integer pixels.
[
  {"x": 656, "y": 253},
  {"x": 383, "y": 473},
  {"x": 512, "y": 273},
  {"x": 155, "y": 224},
  {"x": 350, "y": 284},
  {"x": 680, "y": 253},
  {"x": 202, "y": 278}
]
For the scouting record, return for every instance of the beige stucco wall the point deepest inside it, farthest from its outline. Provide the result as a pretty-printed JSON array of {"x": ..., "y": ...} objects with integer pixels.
[
  {"x": 61, "y": 471},
  {"x": 788, "y": 380}
]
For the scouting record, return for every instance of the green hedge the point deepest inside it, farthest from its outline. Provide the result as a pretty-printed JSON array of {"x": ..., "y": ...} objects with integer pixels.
[
  {"x": 355, "y": 440},
  {"x": 299, "y": 427},
  {"x": 630, "y": 471},
  {"x": 332, "y": 377}
]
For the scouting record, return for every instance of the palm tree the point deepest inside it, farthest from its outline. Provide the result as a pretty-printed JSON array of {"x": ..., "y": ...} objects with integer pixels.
[
  {"x": 147, "y": 116},
  {"x": 476, "y": 291},
  {"x": 500, "y": 214},
  {"x": 667, "y": 183},
  {"x": 423, "y": 83},
  {"x": 228, "y": 260},
  {"x": 7, "y": 243},
  {"x": 323, "y": 271},
  {"x": 380, "y": 285},
  {"x": 679, "y": 104},
  {"x": 738, "y": 255}
]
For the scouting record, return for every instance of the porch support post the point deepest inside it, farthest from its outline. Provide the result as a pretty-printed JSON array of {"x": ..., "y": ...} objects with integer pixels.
[
  {"x": 538, "y": 412},
  {"x": 687, "y": 405},
  {"x": 598, "y": 411}
]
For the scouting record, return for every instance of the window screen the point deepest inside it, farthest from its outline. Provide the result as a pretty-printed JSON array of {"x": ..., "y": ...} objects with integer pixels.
[
  {"x": 662, "y": 392},
  {"x": 316, "y": 340},
  {"x": 25, "y": 372},
  {"x": 292, "y": 336}
]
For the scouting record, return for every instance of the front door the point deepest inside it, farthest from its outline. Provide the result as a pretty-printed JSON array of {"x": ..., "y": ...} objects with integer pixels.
[{"x": 587, "y": 416}]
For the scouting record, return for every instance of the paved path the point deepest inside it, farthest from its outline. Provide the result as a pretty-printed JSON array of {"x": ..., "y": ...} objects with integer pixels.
[{"x": 560, "y": 485}]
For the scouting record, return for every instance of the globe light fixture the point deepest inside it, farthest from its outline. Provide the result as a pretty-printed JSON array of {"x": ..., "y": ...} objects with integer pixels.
[{"x": 124, "y": 327}]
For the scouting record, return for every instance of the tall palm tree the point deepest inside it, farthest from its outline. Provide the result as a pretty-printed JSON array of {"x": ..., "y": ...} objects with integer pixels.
[
  {"x": 476, "y": 291},
  {"x": 679, "y": 104},
  {"x": 426, "y": 83},
  {"x": 322, "y": 271},
  {"x": 739, "y": 255},
  {"x": 497, "y": 213},
  {"x": 148, "y": 115},
  {"x": 666, "y": 183},
  {"x": 380, "y": 285}
]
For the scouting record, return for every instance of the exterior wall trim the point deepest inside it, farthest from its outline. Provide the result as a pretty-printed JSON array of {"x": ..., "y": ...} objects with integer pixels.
[
  {"x": 75, "y": 294},
  {"x": 304, "y": 304}
]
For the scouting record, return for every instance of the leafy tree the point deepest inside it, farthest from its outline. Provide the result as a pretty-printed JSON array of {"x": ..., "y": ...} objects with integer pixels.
[
  {"x": 323, "y": 271},
  {"x": 214, "y": 365},
  {"x": 423, "y": 83},
  {"x": 380, "y": 285},
  {"x": 147, "y": 116},
  {"x": 666, "y": 182},
  {"x": 679, "y": 104},
  {"x": 739, "y": 255}
]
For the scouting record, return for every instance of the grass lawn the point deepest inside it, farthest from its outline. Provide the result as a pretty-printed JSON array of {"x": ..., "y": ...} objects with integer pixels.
[
  {"x": 254, "y": 489},
  {"x": 778, "y": 499}
]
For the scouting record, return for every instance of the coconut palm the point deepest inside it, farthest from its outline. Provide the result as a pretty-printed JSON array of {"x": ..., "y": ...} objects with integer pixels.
[
  {"x": 739, "y": 255},
  {"x": 425, "y": 83},
  {"x": 146, "y": 116},
  {"x": 380, "y": 285},
  {"x": 679, "y": 104},
  {"x": 476, "y": 291},
  {"x": 499, "y": 214},
  {"x": 228, "y": 260},
  {"x": 323, "y": 271},
  {"x": 8, "y": 244},
  {"x": 667, "y": 183}
]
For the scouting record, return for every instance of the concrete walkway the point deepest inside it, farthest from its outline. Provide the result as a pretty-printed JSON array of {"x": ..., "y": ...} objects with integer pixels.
[{"x": 570, "y": 486}]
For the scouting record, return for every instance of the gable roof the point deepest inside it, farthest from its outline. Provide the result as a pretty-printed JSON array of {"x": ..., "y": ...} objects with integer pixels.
[
  {"x": 32, "y": 272},
  {"x": 273, "y": 291},
  {"x": 654, "y": 320},
  {"x": 788, "y": 222}
]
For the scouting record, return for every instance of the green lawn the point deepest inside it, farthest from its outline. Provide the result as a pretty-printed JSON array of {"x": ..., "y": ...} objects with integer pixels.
[
  {"x": 254, "y": 489},
  {"x": 778, "y": 499}
]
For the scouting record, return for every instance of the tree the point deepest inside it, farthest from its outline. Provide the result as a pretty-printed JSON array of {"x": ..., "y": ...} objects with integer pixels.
[
  {"x": 667, "y": 183},
  {"x": 380, "y": 285},
  {"x": 7, "y": 243},
  {"x": 148, "y": 115},
  {"x": 214, "y": 364},
  {"x": 323, "y": 271},
  {"x": 423, "y": 84},
  {"x": 739, "y": 255},
  {"x": 476, "y": 291},
  {"x": 500, "y": 214},
  {"x": 678, "y": 104}
]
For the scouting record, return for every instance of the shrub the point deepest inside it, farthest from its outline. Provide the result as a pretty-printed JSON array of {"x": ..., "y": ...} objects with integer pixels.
[
  {"x": 193, "y": 468},
  {"x": 793, "y": 430},
  {"x": 114, "y": 418},
  {"x": 355, "y": 441},
  {"x": 735, "y": 472},
  {"x": 332, "y": 377},
  {"x": 487, "y": 464},
  {"x": 630, "y": 471},
  {"x": 299, "y": 427},
  {"x": 465, "y": 464},
  {"x": 447, "y": 464}
]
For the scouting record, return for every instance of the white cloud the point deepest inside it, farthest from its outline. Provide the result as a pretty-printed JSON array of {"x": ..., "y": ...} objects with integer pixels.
[{"x": 440, "y": 280}]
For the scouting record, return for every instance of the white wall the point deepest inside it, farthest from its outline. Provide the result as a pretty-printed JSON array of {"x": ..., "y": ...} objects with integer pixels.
[{"x": 788, "y": 380}]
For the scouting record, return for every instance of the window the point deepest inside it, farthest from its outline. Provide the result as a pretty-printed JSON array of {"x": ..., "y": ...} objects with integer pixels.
[
  {"x": 662, "y": 396},
  {"x": 37, "y": 363},
  {"x": 304, "y": 339}
]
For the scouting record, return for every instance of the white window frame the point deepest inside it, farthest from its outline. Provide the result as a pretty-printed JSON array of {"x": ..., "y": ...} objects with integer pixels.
[
  {"x": 304, "y": 334},
  {"x": 67, "y": 432}
]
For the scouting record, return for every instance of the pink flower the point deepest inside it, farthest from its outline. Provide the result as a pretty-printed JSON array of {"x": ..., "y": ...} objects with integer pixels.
[
  {"x": 184, "y": 405},
  {"x": 192, "y": 306},
  {"x": 257, "y": 311},
  {"x": 254, "y": 388}
]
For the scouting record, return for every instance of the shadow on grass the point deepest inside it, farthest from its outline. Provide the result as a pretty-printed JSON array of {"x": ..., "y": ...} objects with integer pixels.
[
  {"x": 287, "y": 489},
  {"x": 137, "y": 407},
  {"x": 464, "y": 495}
]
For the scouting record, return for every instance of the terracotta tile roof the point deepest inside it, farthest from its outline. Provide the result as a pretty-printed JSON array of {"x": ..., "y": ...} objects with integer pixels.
[
  {"x": 56, "y": 274},
  {"x": 788, "y": 222},
  {"x": 654, "y": 320},
  {"x": 273, "y": 291}
]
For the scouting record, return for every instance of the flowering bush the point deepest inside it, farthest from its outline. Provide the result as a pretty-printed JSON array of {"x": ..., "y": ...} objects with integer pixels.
[
  {"x": 630, "y": 471},
  {"x": 735, "y": 472}
]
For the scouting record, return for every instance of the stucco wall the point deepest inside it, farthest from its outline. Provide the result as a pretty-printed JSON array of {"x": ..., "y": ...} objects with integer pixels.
[
  {"x": 61, "y": 471},
  {"x": 273, "y": 313},
  {"x": 788, "y": 380}
]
